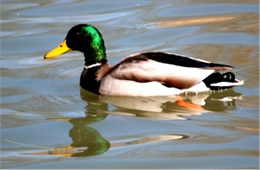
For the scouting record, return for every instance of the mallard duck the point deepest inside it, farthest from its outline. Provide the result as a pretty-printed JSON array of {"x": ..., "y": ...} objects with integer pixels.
[{"x": 143, "y": 74}]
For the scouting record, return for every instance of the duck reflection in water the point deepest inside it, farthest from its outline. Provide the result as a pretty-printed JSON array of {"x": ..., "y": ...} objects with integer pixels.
[
  {"x": 173, "y": 108},
  {"x": 87, "y": 141}
]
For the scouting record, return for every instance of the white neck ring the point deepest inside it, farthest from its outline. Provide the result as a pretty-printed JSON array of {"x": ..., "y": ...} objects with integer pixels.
[{"x": 93, "y": 65}]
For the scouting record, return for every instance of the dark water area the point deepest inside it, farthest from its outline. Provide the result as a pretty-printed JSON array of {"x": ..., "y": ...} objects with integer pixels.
[{"x": 48, "y": 121}]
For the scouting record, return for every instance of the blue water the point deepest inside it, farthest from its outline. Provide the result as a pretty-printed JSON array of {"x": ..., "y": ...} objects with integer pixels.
[{"x": 48, "y": 121}]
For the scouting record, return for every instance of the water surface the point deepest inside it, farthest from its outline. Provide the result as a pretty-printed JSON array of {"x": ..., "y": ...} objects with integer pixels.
[{"x": 48, "y": 121}]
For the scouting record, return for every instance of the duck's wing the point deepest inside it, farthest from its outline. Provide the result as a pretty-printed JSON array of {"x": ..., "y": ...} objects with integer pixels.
[
  {"x": 185, "y": 61},
  {"x": 168, "y": 69}
]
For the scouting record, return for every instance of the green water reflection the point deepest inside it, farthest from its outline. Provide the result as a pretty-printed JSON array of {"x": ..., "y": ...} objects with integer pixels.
[
  {"x": 88, "y": 141},
  {"x": 84, "y": 136}
]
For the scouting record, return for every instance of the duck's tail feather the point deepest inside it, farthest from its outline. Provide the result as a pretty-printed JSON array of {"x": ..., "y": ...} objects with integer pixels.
[{"x": 218, "y": 81}]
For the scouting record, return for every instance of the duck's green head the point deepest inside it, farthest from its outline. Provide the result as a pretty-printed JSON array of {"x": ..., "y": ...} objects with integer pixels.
[{"x": 85, "y": 38}]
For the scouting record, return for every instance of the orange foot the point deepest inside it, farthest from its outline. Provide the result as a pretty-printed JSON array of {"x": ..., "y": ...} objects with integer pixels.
[{"x": 188, "y": 105}]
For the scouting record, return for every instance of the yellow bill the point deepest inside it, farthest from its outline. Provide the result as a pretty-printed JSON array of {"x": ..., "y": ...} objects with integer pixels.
[{"x": 61, "y": 49}]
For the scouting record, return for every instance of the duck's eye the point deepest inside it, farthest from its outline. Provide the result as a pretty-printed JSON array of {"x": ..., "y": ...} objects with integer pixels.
[{"x": 60, "y": 45}]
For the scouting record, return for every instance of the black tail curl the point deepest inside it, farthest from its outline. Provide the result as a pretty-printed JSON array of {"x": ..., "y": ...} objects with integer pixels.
[{"x": 218, "y": 77}]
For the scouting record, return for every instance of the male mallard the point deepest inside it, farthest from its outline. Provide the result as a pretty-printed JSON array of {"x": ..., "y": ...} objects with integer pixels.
[{"x": 144, "y": 74}]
